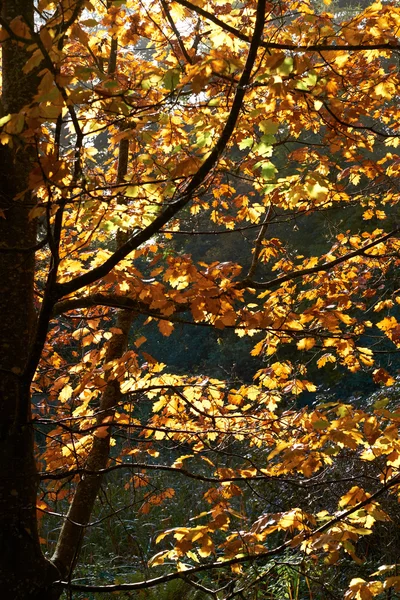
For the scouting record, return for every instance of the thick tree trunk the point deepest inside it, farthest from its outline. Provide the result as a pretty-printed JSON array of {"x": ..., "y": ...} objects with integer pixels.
[{"x": 24, "y": 572}]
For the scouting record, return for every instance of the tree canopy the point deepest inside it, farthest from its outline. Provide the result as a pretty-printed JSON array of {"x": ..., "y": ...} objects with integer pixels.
[{"x": 199, "y": 166}]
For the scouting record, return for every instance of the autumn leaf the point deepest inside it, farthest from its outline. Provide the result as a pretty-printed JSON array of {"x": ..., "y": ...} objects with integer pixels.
[
  {"x": 232, "y": 169},
  {"x": 382, "y": 376},
  {"x": 166, "y": 327}
]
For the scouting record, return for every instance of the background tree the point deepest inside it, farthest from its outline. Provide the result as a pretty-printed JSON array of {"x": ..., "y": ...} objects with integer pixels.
[{"x": 126, "y": 128}]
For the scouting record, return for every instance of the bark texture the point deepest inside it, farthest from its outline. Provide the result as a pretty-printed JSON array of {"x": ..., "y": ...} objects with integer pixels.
[{"x": 24, "y": 572}]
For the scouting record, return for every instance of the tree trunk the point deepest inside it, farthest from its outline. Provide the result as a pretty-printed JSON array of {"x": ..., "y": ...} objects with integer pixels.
[
  {"x": 72, "y": 532},
  {"x": 87, "y": 490},
  {"x": 24, "y": 572}
]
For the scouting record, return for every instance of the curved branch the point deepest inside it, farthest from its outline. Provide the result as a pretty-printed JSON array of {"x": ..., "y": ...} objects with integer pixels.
[
  {"x": 137, "y": 239},
  {"x": 299, "y": 483},
  {"x": 291, "y": 543},
  {"x": 317, "y": 269},
  {"x": 358, "y": 127},
  {"x": 112, "y": 301},
  {"x": 158, "y": 467},
  {"x": 176, "y": 32},
  {"x": 29, "y": 249},
  {"x": 278, "y": 46}
]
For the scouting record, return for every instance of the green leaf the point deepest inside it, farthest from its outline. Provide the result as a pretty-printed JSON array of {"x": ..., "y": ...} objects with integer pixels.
[
  {"x": 4, "y": 120},
  {"x": 131, "y": 191},
  {"x": 321, "y": 424},
  {"x": 203, "y": 139},
  {"x": 308, "y": 82},
  {"x": 171, "y": 79},
  {"x": 285, "y": 67},
  {"x": 268, "y": 126},
  {"x": 265, "y": 147},
  {"x": 89, "y": 23},
  {"x": 267, "y": 189},
  {"x": 246, "y": 143},
  {"x": 111, "y": 84},
  {"x": 49, "y": 96},
  {"x": 268, "y": 139},
  {"x": 50, "y": 111},
  {"x": 381, "y": 403},
  {"x": 268, "y": 170}
]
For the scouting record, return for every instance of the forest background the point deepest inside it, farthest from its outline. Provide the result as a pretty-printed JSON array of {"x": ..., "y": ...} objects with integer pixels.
[{"x": 199, "y": 336}]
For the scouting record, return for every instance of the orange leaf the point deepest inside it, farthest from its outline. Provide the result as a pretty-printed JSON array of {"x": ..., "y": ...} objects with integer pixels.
[{"x": 165, "y": 327}]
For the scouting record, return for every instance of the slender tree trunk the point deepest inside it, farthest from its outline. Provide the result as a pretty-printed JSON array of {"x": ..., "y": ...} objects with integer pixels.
[
  {"x": 73, "y": 530},
  {"x": 24, "y": 572},
  {"x": 78, "y": 517}
]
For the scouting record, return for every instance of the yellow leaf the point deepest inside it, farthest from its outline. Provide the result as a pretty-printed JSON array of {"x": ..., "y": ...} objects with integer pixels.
[
  {"x": 159, "y": 558},
  {"x": 382, "y": 376},
  {"x": 325, "y": 358},
  {"x": 306, "y": 344},
  {"x": 353, "y": 496},
  {"x": 189, "y": 166},
  {"x": 65, "y": 393},
  {"x": 387, "y": 324},
  {"x": 385, "y": 89},
  {"x": 317, "y": 191},
  {"x": 206, "y": 546}
]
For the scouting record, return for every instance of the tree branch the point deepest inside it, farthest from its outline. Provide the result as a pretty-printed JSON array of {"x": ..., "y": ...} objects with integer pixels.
[
  {"x": 139, "y": 238},
  {"x": 112, "y": 301},
  {"x": 176, "y": 32},
  {"x": 278, "y": 46},
  {"x": 289, "y": 544},
  {"x": 299, "y": 483},
  {"x": 317, "y": 269}
]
